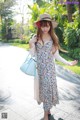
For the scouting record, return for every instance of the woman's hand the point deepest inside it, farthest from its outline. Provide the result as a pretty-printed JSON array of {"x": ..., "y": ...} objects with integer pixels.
[
  {"x": 72, "y": 63},
  {"x": 32, "y": 41}
]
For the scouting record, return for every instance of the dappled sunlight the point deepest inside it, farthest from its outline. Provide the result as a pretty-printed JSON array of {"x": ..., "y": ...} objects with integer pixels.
[
  {"x": 67, "y": 90},
  {"x": 68, "y": 84},
  {"x": 67, "y": 75}
]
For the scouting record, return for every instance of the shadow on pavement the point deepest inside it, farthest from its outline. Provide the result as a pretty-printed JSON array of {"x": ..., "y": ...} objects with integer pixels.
[
  {"x": 69, "y": 85},
  {"x": 51, "y": 117},
  {"x": 67, "y": 75},
  {"x": 4, "y": 44}
]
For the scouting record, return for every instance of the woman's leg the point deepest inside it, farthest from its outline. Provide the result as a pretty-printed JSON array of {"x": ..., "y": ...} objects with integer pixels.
[
  {"x": 45, "y": 115},
  {"x": 47, "y": 112}
]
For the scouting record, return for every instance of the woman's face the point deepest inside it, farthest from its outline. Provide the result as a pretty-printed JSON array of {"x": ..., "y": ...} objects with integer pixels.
[{"x": 45, "y": 29}]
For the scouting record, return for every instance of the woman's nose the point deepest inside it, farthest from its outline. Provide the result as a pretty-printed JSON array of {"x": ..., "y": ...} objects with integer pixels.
[{"x": 45, "y": 28}]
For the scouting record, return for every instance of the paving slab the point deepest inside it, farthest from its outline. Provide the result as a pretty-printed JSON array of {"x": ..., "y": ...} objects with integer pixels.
[{"x": 21, "y": 104}]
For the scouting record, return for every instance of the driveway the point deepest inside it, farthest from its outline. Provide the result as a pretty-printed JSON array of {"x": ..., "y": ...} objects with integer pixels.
[{"x": 16, "y": 89}]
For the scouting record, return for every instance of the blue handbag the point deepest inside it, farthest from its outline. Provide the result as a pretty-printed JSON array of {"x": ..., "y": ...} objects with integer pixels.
[{"x": 29, "y": 66}]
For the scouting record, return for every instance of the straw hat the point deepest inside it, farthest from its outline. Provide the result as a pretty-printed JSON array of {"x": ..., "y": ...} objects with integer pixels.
[{"x": 46, "y": 17}]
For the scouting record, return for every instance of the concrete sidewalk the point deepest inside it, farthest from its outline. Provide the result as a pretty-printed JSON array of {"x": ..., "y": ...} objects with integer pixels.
[{"x": 21, "y": 105}]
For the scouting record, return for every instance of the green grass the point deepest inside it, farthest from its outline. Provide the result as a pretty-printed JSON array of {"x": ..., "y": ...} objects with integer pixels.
[
  {"x": 75, "y": 69},
  {"x": 25, "y": 46}
]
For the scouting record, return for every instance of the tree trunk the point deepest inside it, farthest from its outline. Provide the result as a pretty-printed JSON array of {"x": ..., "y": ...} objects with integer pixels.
[{"x": 69, "y": 10}]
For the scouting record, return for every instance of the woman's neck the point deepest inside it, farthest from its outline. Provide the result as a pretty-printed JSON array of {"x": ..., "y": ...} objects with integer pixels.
[{"x": 44, "y": 36}]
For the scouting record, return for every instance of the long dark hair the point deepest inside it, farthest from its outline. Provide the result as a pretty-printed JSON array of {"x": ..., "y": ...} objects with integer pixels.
[{"x": 51, "y": 33}]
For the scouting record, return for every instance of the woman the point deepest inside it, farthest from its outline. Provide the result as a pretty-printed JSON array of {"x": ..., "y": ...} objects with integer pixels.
[{"x": 46, "y": 47}]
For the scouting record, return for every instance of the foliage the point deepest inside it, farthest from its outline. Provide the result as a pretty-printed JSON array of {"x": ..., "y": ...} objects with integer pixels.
[
  {"x": 3, "y": 31},
  {"x": 68, "y": 33},
  {"x": 25, "y": 46},
  {"x": 75, "y": 53},
  {"x": 5, "y": 7},
  {"x": 6, "y": 16},
  {"x": 72, "y": 38},
  {"x": 56, "y": 10},
  {"x": 5, "y": 26},
  {"x": 40, "y": 2}
]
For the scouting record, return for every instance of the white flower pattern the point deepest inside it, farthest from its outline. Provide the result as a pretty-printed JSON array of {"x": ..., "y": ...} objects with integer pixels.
[{"x": 48, "y": 92}]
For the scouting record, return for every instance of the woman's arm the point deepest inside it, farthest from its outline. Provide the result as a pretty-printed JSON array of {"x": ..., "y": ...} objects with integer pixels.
[
  {"x": 32, "y": 45},
  {"x": 32, "y": 41},
  {"x": 61, "y": 59}
]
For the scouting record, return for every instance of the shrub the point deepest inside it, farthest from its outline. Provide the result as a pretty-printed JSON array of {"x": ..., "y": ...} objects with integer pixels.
[
  {"x": 75, "y": 53},
  {"x": 72, "y": 39}
]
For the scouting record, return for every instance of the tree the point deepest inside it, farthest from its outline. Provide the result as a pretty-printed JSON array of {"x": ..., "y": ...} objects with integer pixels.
[
  {"x": 6, "y": 15},
  {"x": 69, "y": 10},
  {"x": 71, "y": 5}
]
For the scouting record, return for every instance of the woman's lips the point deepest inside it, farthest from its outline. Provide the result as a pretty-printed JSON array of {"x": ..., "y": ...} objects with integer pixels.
[{"x": 45, "y": 31}]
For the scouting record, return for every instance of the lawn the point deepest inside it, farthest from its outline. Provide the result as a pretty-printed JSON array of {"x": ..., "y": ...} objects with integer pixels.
[
  {"x": 24, "y": 46},
  {"x": 75, "y": 69}
]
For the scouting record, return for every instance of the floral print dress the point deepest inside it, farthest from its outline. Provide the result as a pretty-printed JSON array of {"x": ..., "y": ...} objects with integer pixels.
[{"x": 48, "y": 93}]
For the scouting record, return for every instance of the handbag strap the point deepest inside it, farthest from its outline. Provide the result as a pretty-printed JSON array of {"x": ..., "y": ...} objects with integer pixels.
[{"x": 30, "y": 56}]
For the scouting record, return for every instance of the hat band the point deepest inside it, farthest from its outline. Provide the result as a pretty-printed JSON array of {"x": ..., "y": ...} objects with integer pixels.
[{"x": 46, "y": 18}]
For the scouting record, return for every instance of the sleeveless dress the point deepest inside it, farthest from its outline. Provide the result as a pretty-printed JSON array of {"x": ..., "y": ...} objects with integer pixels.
[{"x": 48, "y": 93}]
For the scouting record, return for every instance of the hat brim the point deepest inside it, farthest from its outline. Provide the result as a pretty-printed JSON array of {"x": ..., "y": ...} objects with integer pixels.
[{"x": 54, "y": 23}]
